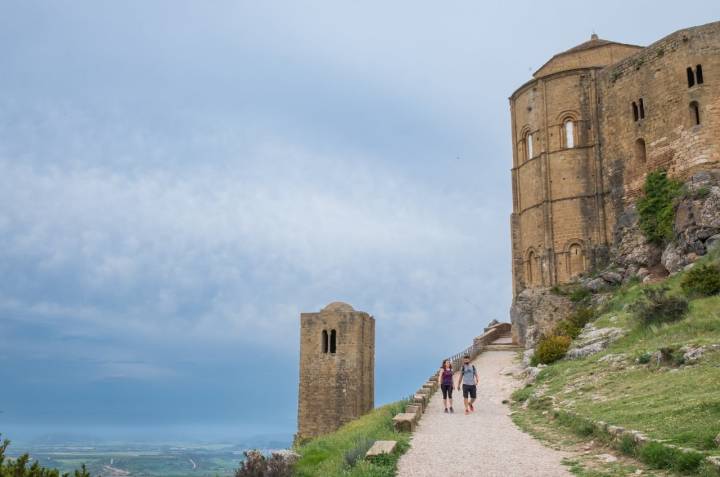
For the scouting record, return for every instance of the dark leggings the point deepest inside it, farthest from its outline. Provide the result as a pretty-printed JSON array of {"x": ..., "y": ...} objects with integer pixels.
[{"x": 446, "y": 390}]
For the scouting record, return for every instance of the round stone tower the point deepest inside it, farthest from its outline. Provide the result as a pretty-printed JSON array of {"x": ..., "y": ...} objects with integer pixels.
[{"x": 337, "y": 368}]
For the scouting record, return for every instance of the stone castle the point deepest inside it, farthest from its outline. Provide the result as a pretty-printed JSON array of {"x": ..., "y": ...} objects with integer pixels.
[
  {"x": 586, "y": 130},
  {"x": 337, "y": 369}
]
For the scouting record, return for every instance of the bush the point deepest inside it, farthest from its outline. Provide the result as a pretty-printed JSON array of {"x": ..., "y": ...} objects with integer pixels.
[
  {"x": 256, "y": 464},
  {"x": 656, "y": 306},
  {"x": 567, "y": 328},
  {"x": 703, "y": 280},
  {"x": 574, "y": 323},
  {"x": 358, "y": 452},
  {"x": 644, "y": 358},
  {"x": 552, "y": 348},
  {"x": 579, "y": 294},
  {"x": 656, "y": 208}
]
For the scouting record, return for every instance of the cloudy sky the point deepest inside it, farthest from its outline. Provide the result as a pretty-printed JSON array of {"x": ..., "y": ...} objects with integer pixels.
[{"x": 180, "y": 179}]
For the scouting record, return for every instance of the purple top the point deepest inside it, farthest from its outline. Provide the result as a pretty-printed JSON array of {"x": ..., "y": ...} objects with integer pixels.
[{"x": 447, "y": 376}]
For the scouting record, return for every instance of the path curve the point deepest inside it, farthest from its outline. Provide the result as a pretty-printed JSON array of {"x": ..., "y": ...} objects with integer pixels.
[{"x": 486, "y": 443}]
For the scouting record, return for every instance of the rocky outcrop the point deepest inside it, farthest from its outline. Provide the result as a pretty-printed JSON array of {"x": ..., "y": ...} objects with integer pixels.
[
  {"x": 697, "y": 221},
  {"x": 536, "y": 312},
  {"x": 593, "y": 340}
]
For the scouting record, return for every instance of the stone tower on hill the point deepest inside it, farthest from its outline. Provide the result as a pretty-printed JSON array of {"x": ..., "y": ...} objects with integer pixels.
[
  {"x": 588, "y": 128},
  {"x": 337, "y": 368}
]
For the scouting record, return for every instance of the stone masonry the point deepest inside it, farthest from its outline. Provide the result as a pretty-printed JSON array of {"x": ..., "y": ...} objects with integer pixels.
[
  {"x": 337, "y": 368},
  {"x": 587, "y": 129}
]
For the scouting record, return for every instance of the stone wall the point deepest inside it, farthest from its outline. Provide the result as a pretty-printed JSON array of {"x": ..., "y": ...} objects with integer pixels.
[
  {"x": 571, "y": 199},
  {"x": 337, "y": 383}
]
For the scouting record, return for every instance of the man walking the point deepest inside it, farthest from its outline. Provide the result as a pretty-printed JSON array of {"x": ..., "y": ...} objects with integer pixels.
[{"x": 469, "y": 381}]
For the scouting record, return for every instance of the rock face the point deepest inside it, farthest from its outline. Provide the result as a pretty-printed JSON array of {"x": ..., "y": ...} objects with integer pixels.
[
  {"x": 697, "y": 221},
  {"x": 535, "y": 312},
  {"x": 593, "y": 340}
]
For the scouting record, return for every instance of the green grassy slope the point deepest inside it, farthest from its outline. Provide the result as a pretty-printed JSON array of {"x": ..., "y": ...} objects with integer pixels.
[
  {"x": 673, "y": 402},
  {"x": 341, "y": 453}
]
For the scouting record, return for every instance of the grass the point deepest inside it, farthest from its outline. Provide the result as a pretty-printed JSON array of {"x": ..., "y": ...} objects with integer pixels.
[
  {"x": 677, "y": 404},
  {"x": 336, "y": 454}
]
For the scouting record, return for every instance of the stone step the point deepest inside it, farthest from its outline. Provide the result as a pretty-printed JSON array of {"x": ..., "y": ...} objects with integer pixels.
[{"x": 502, "y": 347}]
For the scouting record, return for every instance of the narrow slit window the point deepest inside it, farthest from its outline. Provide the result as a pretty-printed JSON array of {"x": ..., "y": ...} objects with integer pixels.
[
  {"x": 642, "y": 109},
  {"x": 636, "y": 114},
  {"x": 324, "y": 339},
  {"x": 698, "y": 74},
  {"x": 695, "y": 113},
  {"x": 690, "y": 77},
  {"x": 333, "y": 342},
  {"x": 569, "y": 133}
]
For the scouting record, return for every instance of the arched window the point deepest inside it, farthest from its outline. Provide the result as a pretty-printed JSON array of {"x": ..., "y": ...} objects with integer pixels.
[
  {"x": 569, "y": 127},
  {"x": 576, "y": 260},
  {"x": 325, "y": 342},
  {"x": 636, "y": 114},
  {"x": 695, "y": 113},
  {"x": 640, "y": 152},
  {"x": 690, "y": 77},
  {"x": 698, "y": 74},
  {"x": 333, "y": 341},
  {"x": 529, "y": 145}
]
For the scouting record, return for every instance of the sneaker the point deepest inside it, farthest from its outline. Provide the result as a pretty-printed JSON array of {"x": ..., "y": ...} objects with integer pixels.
[
  {"x": 472, "y": 409},
  {"x": 446, "y": 411},
  {"x": 452, "y": 410},
  {"x": 467, "y": 412}
]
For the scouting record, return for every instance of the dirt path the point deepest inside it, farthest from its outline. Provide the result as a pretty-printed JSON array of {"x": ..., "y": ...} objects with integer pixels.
[{"x": 486, "y": 443}]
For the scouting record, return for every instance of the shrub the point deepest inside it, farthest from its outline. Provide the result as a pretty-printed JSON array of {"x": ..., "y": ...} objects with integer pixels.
[
  {"x": 656, "y": 208},
  {"x": 656, "y": 306},
  {"x": 552, "y": 348},
  {"x": 567, "y": 328},
  {"x": 644, "y": 358},
  {"x": 579, "y": 294},
  {"x": 258, "y": 465},
  {"x": 357, "y": 452},
  {"x": 703, "y": 280}
]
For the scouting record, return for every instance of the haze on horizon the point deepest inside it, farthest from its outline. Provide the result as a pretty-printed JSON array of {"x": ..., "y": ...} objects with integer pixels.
[{"x": 178, "y": 181}]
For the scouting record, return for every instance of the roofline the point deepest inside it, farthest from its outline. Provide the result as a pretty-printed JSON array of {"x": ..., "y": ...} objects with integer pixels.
[
  {"x": 551, "y": 76},
  {"x": 570, "y": 51}
]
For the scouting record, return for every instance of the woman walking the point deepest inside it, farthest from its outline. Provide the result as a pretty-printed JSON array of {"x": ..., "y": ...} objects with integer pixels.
[{"x": 445, "y": 379}]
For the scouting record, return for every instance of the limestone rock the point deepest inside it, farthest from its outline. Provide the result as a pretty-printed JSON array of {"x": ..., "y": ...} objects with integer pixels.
[
  {"x": 611, "y": 277},
  {"x": 531, "y": 374},
  {"x": 535, "y": 312},
  {"x": 712, "y": 242},
  {"x": 596, "y": 285},
  {"x": 593, "y": 340},
  {"x": 692, "y": 354}
]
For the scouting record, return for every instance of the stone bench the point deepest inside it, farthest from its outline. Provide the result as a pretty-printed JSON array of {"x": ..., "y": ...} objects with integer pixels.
[
  {"x": 380, "y": 448},
  {"x": 404, "y": 422},
  {"x": 415, "y": 409}
]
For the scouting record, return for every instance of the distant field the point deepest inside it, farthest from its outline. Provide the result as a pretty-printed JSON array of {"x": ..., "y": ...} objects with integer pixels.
[{"x": 141, "y": 460}]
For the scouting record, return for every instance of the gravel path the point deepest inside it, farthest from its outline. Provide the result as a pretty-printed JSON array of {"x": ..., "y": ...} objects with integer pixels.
[{"x": 486, "y": 443}]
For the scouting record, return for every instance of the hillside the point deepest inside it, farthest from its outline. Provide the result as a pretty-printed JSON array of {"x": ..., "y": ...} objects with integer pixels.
[
  {"x": 661, "y": 377},
  {"x": 341, "y": 453}
]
